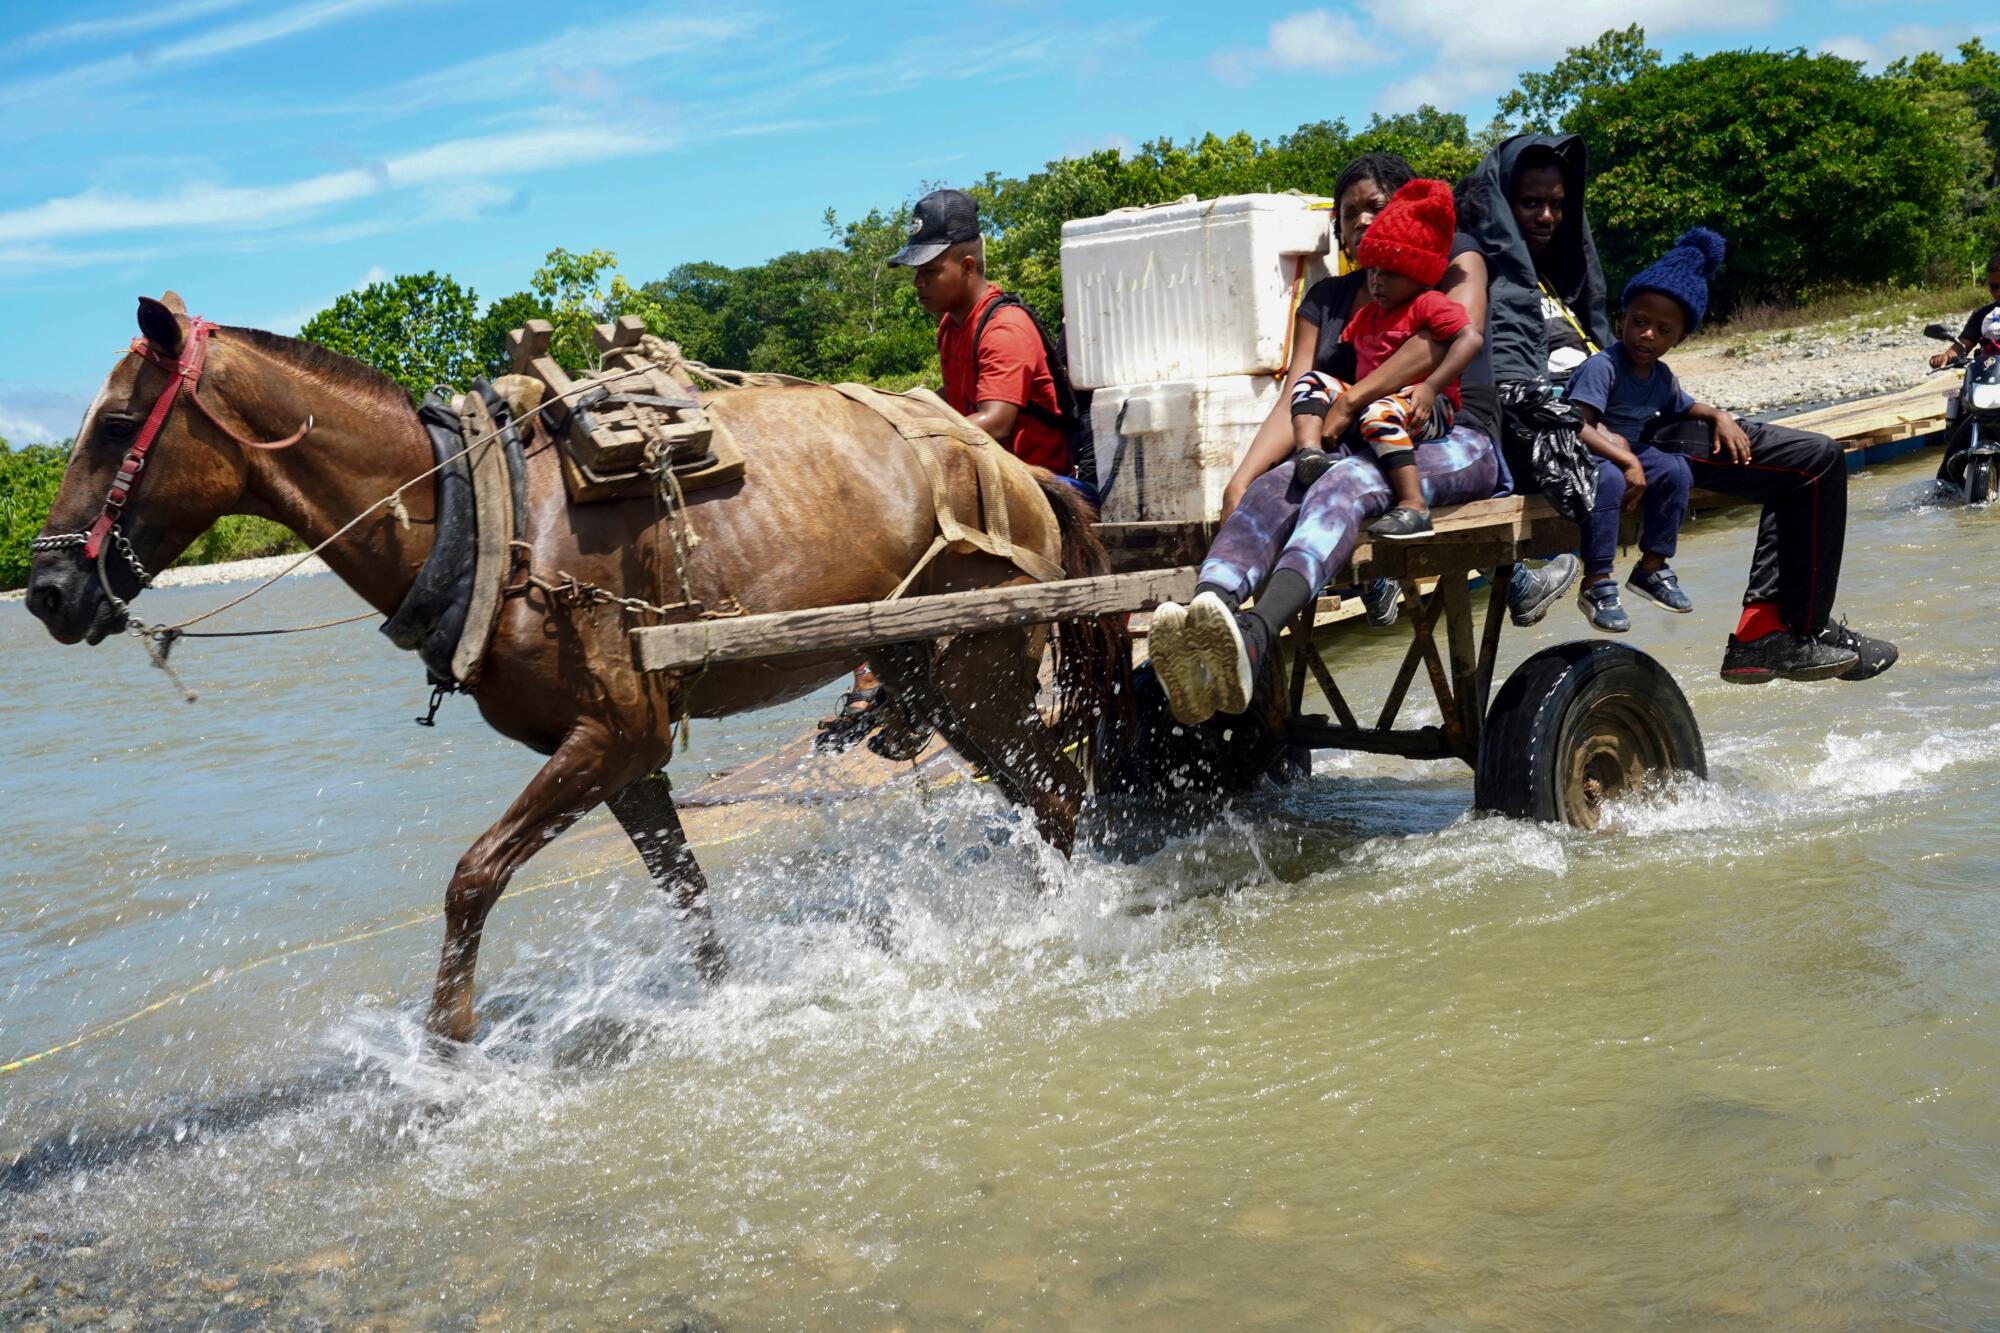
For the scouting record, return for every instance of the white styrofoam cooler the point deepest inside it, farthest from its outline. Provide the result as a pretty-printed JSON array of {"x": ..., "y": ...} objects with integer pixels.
[
  {"x": 1187, "y": 290},
  {"x": 1166, "y": 450}
]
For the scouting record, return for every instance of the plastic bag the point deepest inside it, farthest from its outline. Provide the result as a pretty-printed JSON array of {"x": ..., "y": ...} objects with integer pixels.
[{"x": 1543, "y": 449}]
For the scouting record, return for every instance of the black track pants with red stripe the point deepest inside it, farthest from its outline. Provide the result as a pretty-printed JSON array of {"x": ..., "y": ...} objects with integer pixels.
[{"x": 1802, "y": 480}]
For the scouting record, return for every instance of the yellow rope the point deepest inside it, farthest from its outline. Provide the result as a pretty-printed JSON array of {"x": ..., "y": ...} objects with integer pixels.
[{"x": 227, "y": 973}]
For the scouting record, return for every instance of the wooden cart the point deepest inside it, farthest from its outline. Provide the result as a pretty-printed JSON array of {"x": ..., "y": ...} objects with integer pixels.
[{"x": 1572, "y": 727}]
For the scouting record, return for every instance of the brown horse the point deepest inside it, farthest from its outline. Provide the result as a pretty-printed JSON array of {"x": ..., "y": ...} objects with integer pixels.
[{"x": 833, "y": 508}]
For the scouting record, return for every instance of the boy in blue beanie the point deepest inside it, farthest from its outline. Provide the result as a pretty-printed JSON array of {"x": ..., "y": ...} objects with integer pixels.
[
  {"x": 1786, "y": 630},
  {"x": 1617, "y": 391}
]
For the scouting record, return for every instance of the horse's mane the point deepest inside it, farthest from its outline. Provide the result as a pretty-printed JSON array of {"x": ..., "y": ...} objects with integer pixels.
[{"x": 344, "y": 371}]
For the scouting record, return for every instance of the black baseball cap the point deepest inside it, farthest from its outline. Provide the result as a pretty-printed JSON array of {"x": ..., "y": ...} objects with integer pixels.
[{"x": 940, "y": 220}]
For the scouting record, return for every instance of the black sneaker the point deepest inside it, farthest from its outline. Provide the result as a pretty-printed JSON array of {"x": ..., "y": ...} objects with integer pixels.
[
  {"x": 1533, "y": 591},
  {"x": 1402, "y": 525},
  {"x": 1381, "y": 598},
  {"x": 1783, "y": 654},
  {"x": 1309, "y": 465},
  {"x": 861, "y": 711},
  {"x": 1877, "y": 655}
]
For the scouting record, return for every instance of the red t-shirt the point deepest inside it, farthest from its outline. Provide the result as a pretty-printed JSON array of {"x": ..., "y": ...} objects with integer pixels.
[
  {"x": 1013, "y": 368},
  {"x": 1377, "y": 333}
]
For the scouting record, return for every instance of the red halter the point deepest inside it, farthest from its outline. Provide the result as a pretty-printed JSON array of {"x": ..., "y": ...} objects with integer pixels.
[{"x": 186, "y": 379}]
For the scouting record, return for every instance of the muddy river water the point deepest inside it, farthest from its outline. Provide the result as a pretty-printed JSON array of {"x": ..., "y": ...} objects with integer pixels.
[{"x": 1346, "y": 1059}]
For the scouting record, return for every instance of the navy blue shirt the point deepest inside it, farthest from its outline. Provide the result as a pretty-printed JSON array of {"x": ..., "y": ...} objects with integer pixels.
[{"x": 1624, "y": 401}]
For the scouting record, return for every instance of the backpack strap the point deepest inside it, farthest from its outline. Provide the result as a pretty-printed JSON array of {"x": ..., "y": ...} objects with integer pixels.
[{"x": 1067, "y": 420}]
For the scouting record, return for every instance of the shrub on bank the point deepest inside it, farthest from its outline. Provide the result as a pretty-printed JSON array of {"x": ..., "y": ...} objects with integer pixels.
[{"x": 29, "y": 480}]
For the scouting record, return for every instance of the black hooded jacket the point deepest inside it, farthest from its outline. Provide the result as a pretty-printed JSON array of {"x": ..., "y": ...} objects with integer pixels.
[{"x": 1516, "y": 333}]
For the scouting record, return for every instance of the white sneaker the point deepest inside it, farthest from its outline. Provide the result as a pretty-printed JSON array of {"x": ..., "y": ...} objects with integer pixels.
[{"x": 1200, "y": 659}]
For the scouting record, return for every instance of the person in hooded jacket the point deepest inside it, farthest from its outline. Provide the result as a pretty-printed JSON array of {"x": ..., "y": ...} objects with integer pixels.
[
  {"x": 1545, "y": 290},
  {"x": 1280, "y": 539}
]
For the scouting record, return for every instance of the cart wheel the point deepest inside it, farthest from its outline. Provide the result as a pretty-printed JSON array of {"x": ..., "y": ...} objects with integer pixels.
[
  {"x": 1579, "y": 724},
  {"x": 1979, "y": 479}
]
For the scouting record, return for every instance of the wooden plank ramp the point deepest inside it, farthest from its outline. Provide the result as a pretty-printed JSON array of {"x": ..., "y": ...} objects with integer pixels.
[{"x": 1884, "y": 427}]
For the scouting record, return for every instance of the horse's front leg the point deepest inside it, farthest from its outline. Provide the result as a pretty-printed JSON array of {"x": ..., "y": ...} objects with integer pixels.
[
  {"x": 645, "y": 809},
  {"x": 586, "y": 768}
]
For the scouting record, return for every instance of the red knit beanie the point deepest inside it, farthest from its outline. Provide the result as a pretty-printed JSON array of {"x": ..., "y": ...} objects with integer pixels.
[{"x": 1412, "y": 233}]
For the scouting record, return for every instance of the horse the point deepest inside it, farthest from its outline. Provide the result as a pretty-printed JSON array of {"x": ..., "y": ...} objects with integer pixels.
[{"x": 833, "y": 507}]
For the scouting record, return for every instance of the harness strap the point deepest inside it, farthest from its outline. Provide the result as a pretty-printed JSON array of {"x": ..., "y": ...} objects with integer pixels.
[
  {"x": 186, "y": 379},
  {"x": 185, "y": 373},
  {"x": 926, "y": 422}
]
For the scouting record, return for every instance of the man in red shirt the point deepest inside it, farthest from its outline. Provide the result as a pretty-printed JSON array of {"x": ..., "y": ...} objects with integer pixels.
[
  {"x": 996, "y": 369},
  {"x": 996, "y": 374}
]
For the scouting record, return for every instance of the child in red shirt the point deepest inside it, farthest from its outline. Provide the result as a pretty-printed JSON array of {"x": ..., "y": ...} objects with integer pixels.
[{"x": 1405, "y": 252}]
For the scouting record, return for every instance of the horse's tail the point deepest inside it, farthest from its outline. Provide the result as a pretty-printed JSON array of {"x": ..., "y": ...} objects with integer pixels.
[{"x": 1093, "y": 664}]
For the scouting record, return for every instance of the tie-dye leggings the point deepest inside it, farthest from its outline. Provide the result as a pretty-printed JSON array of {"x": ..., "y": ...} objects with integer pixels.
[{"x": 1278, "y": 526}]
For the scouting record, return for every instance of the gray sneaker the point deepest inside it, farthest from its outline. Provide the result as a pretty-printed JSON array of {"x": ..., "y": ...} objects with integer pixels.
[
  {"x": 1381, "y": 598},
  {"x": 1534, "y": 591},
  {"x": 1601, "y": 607}
]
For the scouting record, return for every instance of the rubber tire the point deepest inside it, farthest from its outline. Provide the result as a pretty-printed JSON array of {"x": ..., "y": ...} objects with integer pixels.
[
  {"x": 1979, "y": 479},
  {"x": 1522, "y": 749}
]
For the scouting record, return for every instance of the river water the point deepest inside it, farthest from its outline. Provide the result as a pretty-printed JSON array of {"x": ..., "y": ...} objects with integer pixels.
[{"x": 1347, "y": 1059}]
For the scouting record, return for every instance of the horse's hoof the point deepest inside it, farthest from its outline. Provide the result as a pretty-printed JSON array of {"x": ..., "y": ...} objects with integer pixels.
[{"x": 711, "y": 961}]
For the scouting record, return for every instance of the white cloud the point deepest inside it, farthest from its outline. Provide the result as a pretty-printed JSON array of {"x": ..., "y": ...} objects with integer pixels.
[
  {"x": 1471, "y": 49},
  {"x": 1479, "y": 49},
  {"x": 1316, "y": 40},
  {"x": 220, "y": 40},
  {"x": 573, "y": 62},
  {"x": 1908, "y": 40},
  {"x": 31, "y": 414},
  {"x": 227, "y": 208},
  {"x": 120, "y": 25},
  {"x": 44, "y": 258}
]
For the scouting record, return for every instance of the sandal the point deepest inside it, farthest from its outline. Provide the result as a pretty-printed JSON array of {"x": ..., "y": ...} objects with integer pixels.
[{"x": 860, "y": 713}]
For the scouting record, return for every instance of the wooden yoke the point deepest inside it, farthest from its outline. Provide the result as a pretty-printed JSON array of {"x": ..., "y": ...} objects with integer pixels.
[{"x": 528, "y": 346}]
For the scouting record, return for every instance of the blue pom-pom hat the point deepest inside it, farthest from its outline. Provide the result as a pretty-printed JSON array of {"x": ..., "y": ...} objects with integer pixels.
[{"x": 1683, "y": 273}]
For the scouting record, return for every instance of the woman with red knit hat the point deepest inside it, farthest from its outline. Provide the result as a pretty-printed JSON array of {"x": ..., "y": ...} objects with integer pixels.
[
  {"x": 1281, "y": 538},
  {"x": 1405, "y": 253}
]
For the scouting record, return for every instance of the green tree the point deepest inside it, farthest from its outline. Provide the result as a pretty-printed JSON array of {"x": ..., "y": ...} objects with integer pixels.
[
  {"x": 1963, "y": 99},
  {"x": 489, "y": 339},
  {"x": 29, "y": 480},
  {"x": 1543, "y": 101},
  {"x": 1820, "y": 176},
  {"x": 418, "y": 329},
  {"x": 571, "y": 291}
]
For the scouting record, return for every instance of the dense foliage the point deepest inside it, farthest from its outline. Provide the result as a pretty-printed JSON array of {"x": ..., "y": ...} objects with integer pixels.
[
  {"x": 417, "y": 329},
  {"x": 1833, "y": 179},
  {"x": 29, "y": 479},
  {"x": 1822, "y": 176}
]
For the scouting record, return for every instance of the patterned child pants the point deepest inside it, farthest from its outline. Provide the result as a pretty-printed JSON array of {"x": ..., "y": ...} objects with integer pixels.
[{"x": 1385, "y": 424}]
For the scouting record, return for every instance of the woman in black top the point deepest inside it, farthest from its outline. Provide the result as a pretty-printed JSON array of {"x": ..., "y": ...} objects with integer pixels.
[
  {"x": 1361, "y": 192},
  {"x": 1280, "y": 541}
]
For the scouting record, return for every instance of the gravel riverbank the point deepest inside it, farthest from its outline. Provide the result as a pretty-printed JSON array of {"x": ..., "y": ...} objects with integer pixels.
[
  {"x": 1758, "y": 372},
  {"x": 228, "y": 571}
]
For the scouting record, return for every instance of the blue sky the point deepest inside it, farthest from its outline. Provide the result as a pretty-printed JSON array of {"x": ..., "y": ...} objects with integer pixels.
[{"x": 263, "y": 156}]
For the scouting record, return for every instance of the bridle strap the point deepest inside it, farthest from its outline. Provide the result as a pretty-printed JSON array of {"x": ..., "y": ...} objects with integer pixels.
[{"x": 186, "y": 378}]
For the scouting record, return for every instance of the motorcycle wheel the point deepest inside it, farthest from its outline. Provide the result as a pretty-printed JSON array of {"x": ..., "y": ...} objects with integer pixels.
[{"x": 1979, "y": 479}]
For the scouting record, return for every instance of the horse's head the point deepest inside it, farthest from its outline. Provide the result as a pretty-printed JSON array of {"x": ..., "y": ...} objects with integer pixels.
[{"x": 191, "y": 474}]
